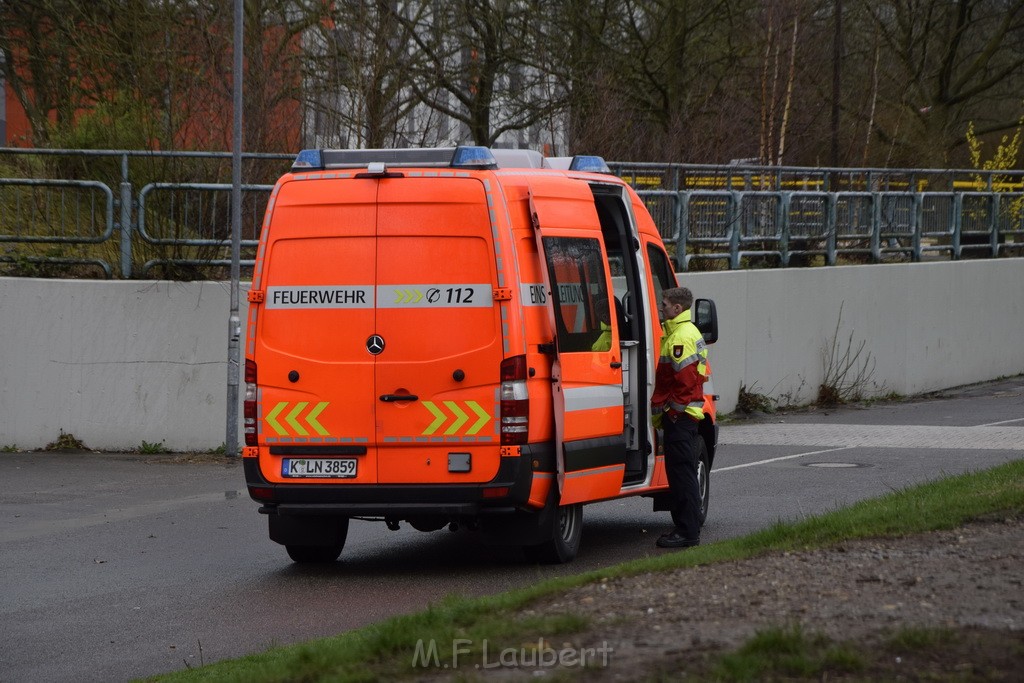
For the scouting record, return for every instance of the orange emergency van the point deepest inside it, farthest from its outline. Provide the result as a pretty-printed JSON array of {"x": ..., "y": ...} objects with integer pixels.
[{"x": 454, "y": 337}]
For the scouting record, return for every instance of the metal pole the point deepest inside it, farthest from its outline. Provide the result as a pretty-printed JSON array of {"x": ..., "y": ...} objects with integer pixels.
[
  {"x": 126, "y": 220},
  {"x": 837, "y": 76},
  {"x": 234, "y": 323}
]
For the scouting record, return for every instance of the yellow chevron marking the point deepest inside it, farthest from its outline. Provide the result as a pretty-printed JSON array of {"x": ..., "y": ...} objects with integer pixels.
[
  {"x": 439, "y": 418},
  {"x": 271, "y": 418},
  {"x": 408, "y": 296},
  {"x": 299, "y": 429},
  {"x": 458, "y": 414},
  {"x": 313, "y": 414},
  {"x": 461, "y": 417},
  {"x": 484, "y": 418}
]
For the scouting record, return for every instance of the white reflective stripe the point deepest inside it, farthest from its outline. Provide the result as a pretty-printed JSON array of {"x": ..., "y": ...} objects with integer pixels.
[
  {"x": 681, "y": 407},
  {"x": 689, "y": 360},
  {"x": 435, "y": 296},
  {"x": 594, "y": 396},
  {"x": 321, "y": 296}
]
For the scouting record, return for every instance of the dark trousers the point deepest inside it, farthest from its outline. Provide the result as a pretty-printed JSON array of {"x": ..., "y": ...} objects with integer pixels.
[{"x": 681, "y": 469}]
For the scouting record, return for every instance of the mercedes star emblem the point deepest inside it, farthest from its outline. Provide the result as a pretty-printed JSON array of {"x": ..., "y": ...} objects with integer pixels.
[{"x": 375, "y": 344}]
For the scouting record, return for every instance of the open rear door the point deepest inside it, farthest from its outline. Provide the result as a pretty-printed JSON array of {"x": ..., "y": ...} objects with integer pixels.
[{"x": 587, "y": 368}]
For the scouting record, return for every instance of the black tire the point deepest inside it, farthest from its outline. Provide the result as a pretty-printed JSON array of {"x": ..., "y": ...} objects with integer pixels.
[
  {"x": 703, "y": 478},
  {"x": 565, "y": 530},
  {"x": 314, "y": 553},
  {"x": 307, "y": 552}
]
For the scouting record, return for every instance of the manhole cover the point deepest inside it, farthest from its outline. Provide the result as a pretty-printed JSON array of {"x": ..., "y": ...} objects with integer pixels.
[{"x": 834, "y": 464}]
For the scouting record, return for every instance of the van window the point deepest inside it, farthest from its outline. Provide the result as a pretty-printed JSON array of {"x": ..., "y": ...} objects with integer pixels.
[
  {"x": 661, "y": 270},
  {"x": 577, "y": 274}
]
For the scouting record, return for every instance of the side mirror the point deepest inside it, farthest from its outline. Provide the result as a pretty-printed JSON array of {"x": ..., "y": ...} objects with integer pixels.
[{"x": 705, "y": 317}]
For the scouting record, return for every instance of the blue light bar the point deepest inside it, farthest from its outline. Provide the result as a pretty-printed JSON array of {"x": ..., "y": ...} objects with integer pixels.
[
  {"x": 591, "y": 164},
  {"x": 308, "y": 159},
  {"x": 473, "y": 157}
]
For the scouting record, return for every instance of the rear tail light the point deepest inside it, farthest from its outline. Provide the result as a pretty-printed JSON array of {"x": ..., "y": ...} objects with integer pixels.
[
  {"x": 496, "y": 491},
  {"x": 249, "y": 405},
  {"x": 515, "y": 404},
  {"x": 261, "y": 493}
]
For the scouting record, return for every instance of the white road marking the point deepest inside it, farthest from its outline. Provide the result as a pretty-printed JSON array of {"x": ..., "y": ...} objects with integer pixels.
[
  {"x": 993, "y": 424},
  {"x": 875, "y": 436},
  {"x": 716, "y": 470}
]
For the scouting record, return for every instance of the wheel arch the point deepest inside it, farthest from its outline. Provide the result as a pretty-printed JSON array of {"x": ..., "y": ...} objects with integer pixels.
[{"x": 708, "y": 430}]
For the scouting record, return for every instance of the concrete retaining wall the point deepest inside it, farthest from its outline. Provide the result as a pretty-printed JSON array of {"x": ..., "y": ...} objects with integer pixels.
[
  {"x": 119, "y": 363},
  {"x": 928, "y": 326}
]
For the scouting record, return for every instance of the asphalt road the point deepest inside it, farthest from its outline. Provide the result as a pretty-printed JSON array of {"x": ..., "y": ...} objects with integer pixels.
[{"x": 120, "y": 566}]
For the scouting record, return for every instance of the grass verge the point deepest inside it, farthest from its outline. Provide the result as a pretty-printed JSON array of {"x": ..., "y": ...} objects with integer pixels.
[
  {"x": 383, "y": 651},
  {"x": 910, "y": 654}
]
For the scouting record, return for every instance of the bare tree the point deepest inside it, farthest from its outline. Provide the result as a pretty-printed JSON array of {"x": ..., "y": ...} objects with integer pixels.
[
  {"x": 679, "y": 80},
  {"x": 359, "y": 66},
  {"x": 949, "y": 62},
  {"x": 274, "y": 59},
  {"x": 477, "y": 66},
  {"x": 170, "y": 57},
  {"x": 34, "y": 37}
]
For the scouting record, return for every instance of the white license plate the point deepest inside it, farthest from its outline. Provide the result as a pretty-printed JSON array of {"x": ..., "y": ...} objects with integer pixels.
[{"x": 325, "y": 468}]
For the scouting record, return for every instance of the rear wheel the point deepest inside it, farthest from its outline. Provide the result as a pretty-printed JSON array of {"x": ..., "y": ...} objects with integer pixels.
[
  {"x": 310, "y": 538},
  {"x": 314, "y": 553},
  {"x": 565, "y": 529},
  {"x": 703, "y": 478}
]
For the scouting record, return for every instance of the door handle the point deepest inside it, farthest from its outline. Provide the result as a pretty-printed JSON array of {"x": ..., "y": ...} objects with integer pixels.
[
  {"x": 615, "y": 364},
  {"x": 392, "y": 398}
]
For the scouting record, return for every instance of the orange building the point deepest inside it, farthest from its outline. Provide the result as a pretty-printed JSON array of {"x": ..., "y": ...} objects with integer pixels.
[
  {"x": 202, "y": 113},
  {"x": 15, "y": 130}
]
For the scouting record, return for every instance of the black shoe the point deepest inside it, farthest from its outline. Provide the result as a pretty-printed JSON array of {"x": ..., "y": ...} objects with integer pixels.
[{"x": 677, "y": 540}]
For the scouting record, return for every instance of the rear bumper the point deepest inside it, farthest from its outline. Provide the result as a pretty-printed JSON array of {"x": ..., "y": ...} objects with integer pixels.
[{"x": 399, "y": 500}]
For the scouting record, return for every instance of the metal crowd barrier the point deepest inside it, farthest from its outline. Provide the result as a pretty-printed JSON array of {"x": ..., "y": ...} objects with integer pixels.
[
  {"x": 112, "y": 225},
  {"x": 747, "y": 228},
  {"x": 183, "y": 215},
  {"x": 56, "y": 212},
  {"x": 712, "y": 216}
]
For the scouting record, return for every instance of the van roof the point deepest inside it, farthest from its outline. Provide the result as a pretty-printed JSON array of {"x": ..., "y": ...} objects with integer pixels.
[{"x": 463, "y": 156}]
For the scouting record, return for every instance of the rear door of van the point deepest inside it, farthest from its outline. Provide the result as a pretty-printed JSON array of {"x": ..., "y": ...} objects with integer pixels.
[
  {"x": 379, "y": 344},
  {"x": 436, "y": 278},
  {"x": 587, "y": 387},
  {"x": 314, "y": 375}
]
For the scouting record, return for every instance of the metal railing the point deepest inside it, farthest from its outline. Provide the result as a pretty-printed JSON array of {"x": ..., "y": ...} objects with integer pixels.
[
  {"x": 187, "y": 215},
  {"x": 736, "y": 216},
  {"x": 139, "y": 226},
  {"x": 680, "y": 177},
  {"x": 56, "y": 212},
  {"x": 788, "y": 228}
]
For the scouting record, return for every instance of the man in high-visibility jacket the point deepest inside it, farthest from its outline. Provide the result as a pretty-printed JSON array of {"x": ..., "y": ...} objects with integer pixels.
[
  {"x": 677, "y": 407},
  {"x": 604, "y": 341}
]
